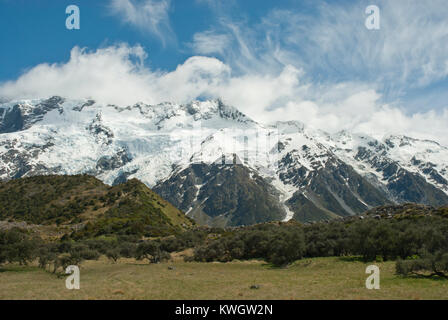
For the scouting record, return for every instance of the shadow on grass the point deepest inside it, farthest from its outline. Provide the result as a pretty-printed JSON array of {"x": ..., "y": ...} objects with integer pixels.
[
  {"x": 432, "y": 277},
  {"x": 353, "y": 259},
  {"x": 18, "y": 269},
  {"x": 270, "y": 266},
  {"x": 138, "y": 264},
  {"x": 24, "y": 269}
]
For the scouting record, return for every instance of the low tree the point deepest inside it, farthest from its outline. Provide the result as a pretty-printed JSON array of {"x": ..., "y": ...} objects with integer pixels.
[
  {"x": 3, "y": 256},
  {"x": 46, "y": 256},
  {"x": 151, "y": 251},
  {"x": 113, "y": 254},
  {"x": 128, "y": 250},
  {"x": 67, "y": 259}
]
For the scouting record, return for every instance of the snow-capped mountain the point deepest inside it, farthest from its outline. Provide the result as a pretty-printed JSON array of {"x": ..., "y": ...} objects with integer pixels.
[{"x": 218, "y": 165}]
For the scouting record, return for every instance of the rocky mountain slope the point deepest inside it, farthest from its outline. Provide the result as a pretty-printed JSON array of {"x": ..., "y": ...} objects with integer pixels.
[{"x": 218, "y": 165}]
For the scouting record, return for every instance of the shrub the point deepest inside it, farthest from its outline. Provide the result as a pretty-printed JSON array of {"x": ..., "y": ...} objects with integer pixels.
[
  {"x": 434, "y": 263},
  {"x": 128, "y": 250},
  {"x": 113, "y": 254}
]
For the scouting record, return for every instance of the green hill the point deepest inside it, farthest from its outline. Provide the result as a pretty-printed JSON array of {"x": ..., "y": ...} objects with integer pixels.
[{"x": 90, "y": 207}]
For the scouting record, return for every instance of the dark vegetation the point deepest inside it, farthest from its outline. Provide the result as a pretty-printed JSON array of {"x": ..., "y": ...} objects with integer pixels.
[
  {"x": 52, "y": 199},
  {"x": 19, "y": 246},
  {"x": 131, "y": 221},
  {"x": 127, "y": 209},
  {"x": 418, "y": 241}
]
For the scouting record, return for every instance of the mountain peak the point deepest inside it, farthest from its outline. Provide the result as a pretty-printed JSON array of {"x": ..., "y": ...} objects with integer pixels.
[
  {"x": 403, "y": 140},
  {"x": 208, "y": 109},
  {"x": 308, "y": 170}
]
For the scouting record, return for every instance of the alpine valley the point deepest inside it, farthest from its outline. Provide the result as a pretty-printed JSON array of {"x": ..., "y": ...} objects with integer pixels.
[{"x": 216, "y": 164}]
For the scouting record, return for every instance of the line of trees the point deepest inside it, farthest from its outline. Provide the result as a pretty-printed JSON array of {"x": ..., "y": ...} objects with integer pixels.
[
  {"x": 18, "y": 246},
  {"x": 418, "y": 244}
]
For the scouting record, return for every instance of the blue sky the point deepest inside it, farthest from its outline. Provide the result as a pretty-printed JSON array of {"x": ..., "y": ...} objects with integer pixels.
[
  {"x": 313, "y": 60},
  {"x": 34, "y": 31}
]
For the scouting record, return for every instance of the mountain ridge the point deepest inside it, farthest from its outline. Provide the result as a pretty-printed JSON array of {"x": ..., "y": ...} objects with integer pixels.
[{"x": 306, "y": 174}]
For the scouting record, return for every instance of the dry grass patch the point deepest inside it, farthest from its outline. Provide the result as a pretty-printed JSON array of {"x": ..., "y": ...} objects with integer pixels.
[{"x": 321, "y": 278}]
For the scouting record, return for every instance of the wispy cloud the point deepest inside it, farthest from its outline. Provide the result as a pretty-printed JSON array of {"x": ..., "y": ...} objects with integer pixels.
[
  {"x": 330, "y": 43},
  {"x": 151, "y": 16},
  {"x": 409, "y": 49},
  {"x": 209, "y": 42}
]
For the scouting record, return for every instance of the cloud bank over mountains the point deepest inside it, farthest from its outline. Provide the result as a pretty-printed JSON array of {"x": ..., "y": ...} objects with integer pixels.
[{"x": 322, "y": 67}]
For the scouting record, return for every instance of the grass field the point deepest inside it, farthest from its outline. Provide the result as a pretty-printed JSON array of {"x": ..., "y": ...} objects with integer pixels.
[{"x": 319, "y": 278}]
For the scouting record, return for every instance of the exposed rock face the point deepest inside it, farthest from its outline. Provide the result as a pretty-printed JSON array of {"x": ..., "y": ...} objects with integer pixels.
[
  {"x": 223, "y": 195},
  {"x": 23, "y": 115}
]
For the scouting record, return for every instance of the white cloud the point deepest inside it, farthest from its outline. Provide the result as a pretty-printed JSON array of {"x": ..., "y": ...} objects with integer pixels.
[
  {"x": 147, "y": 15},
  {"x": 209, "y": 42},
  {"x": 363, "y": 113},
  {"x": 117, "y": 75},
  {"x": 410, "y": 49},
  {"x": 255, "y": 94},
  {"x": 102, "y": 74}
]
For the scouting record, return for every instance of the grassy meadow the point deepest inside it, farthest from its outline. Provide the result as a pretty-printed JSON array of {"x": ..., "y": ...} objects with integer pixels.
[{"x": 316, "y": 278}]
